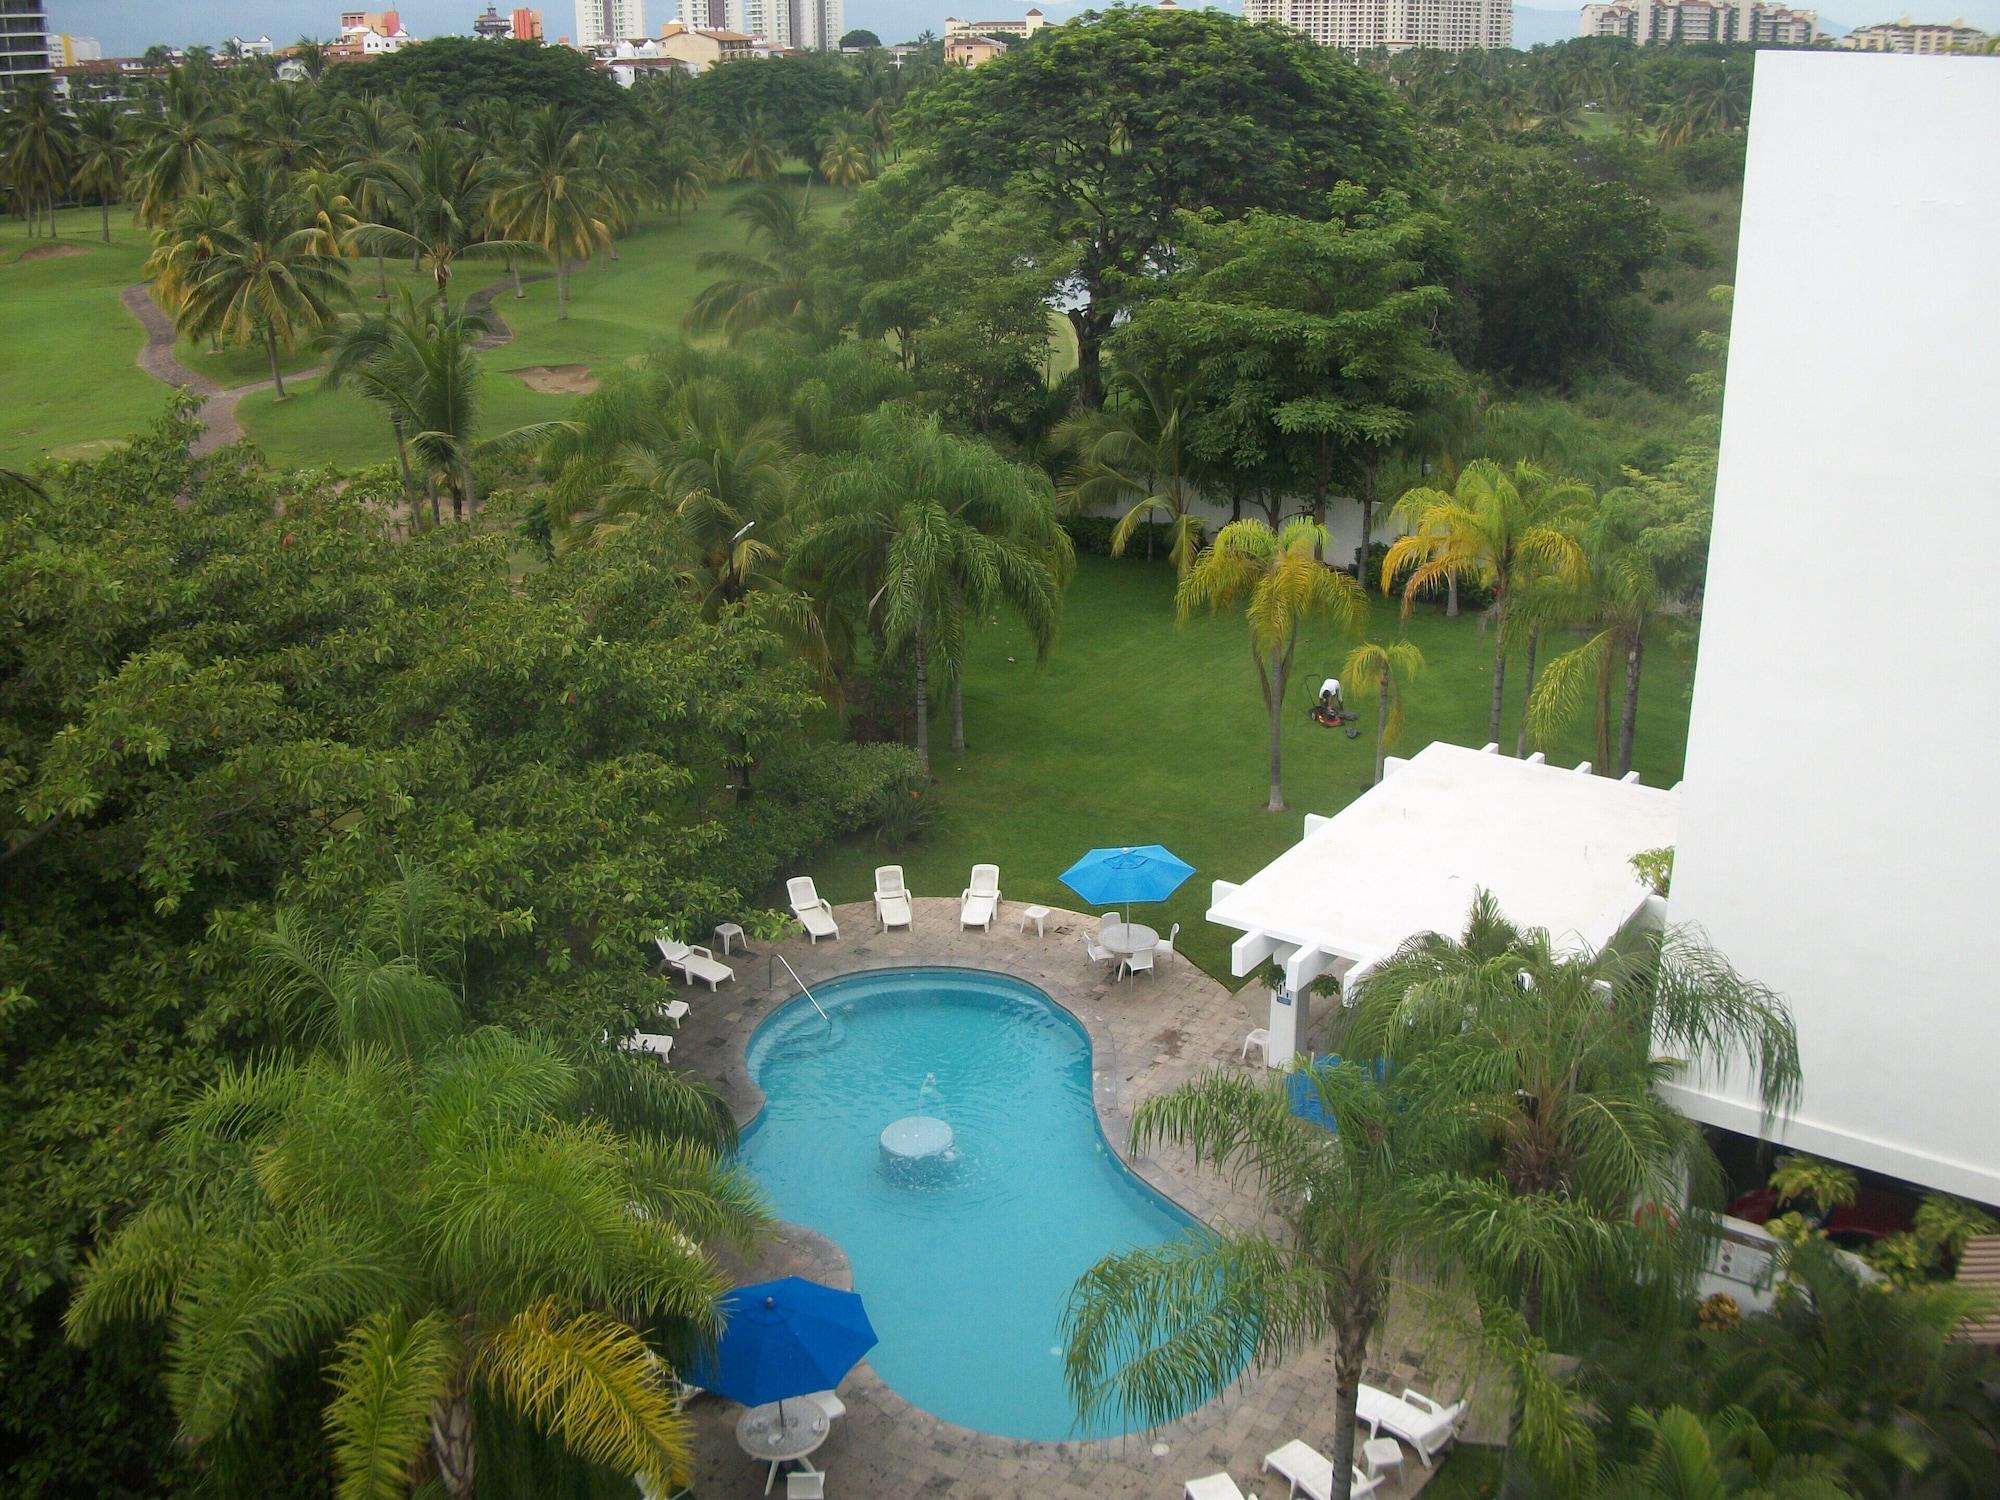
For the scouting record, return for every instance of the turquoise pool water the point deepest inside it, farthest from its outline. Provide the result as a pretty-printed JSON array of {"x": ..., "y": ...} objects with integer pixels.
[{"x": 965, "y": 1262}]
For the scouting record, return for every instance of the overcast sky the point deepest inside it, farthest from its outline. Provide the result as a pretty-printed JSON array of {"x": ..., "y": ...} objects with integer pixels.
[{"x": 126, "y": 27}]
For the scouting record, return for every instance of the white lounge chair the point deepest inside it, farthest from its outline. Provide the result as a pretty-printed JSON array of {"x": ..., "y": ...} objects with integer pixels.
[
  {"x": 1138, "y": 963},
  {"x": 650, "y": 1043},
  {"x": 1304, "y": 1467},
  {"x": 892, "y": 898},
  {"x": 1213, "y": 1487},
  {"x": 1426, "y": 1425},
  {"x": 694, "y": 962},
  {"x": 814, "y": 914},
  {"x": 1165, "y": 947},
  {"x": 980, "y": 900}
]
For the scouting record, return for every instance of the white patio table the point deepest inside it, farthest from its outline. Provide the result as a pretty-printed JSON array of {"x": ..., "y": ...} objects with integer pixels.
[{"x": 769, "y": 1437}]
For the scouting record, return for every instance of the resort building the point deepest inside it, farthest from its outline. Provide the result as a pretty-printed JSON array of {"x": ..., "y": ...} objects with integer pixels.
[
  {"x": 1398, "y": 25},
  {"x": 24, "y": 42},
  {"x": 369, "y": 34},
  {"x": 701, "y": 49},
  {"x": 1027, "y": 26},
  {"x": 969, "y": 50},
  {"x": 1644, "y": 23},
  {"x": 605, "y": 23},
  {"x": 1916, "y": 38}
]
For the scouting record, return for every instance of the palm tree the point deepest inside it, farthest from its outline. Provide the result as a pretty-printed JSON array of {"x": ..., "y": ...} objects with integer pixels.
[
  {"x": 1720, "y": 1458},
  {"x": 1153, "y": 1333},
  {"x": 933, "y": 530},
  {"x": 1380, "y": 672},
  {"x": 1132, "y": 453},
  {"x": 1558, "y": 1055},
  {"x": 1278, "y": 578},
  {"x": 844, "y": 158},
  {"x": 680, "y": 174},
  {"x": 441, "y": 1216},
  {"x": 754, "y": 157},
  {"x": 329, "y": 212},
  {"x": 263, "y": 278},
  {"x": 283, "y": 128},
  {"x": 551, "y": 198},
  {"x": 755, "y": 292},
  {"x": 377, "y": 133},
  {"x": 37, "y": 149},
  {"x": 312, "y": 57},
  {"x": 1646, "y": 559},
  {"x": 439, "y": 199},
  {"x": 1492, "y": 525},
  {"x": 102, "y": 150},
  {"x": 180, "y": 151}
]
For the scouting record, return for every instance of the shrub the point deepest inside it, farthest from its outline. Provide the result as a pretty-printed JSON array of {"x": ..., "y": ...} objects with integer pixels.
[
  {"x": 1092, "y": 534},
  {"x": 903, "y": 816}
]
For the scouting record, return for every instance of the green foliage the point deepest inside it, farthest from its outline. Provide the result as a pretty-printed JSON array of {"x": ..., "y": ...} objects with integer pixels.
[
  {"x": 1655, "y": 867},
  {"x": 1819, "y": 1185},
  {"x": 796, "y": 99},
  {"x": 462, "y": 76}
]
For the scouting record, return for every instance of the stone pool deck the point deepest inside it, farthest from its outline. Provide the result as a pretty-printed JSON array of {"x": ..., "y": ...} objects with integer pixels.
[{"x": 1147, "y": 1036}]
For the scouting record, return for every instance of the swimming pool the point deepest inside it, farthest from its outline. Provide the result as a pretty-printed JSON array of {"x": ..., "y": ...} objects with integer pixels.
[{"x": 965, "y": 1258}]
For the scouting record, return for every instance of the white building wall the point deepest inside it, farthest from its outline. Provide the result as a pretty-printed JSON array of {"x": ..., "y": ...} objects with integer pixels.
[{"x": 1841, "y": 813}]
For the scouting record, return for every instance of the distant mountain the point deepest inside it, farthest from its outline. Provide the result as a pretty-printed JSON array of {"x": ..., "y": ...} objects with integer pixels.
[{"x": 1535, "y": 28}]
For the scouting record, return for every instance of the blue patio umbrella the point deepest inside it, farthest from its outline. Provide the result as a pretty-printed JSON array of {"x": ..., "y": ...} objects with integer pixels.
[
  {"x": 784, "y": 1338},
  {"x": 1119, "y": 877}
]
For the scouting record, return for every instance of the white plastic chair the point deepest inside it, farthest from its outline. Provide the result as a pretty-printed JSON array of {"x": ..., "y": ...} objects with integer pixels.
[
  {"x": 1304, "y": 1467},
  {"x": 805, "y": 1484},
  {"x": 1260, "y": 1038},
  {"x": 980, "y": 900},
  {"x": 1098, "y": 955},
  {"x": 814, "y": 913},
  {"x": 1138, "y": 963},
  {"x": 1165, "y": 947},
  {"x": 694, "y": 961},
  {"x": 892, "y": 898}
]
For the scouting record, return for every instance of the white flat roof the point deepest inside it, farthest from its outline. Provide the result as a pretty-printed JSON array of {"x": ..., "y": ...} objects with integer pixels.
[{"x": 1553, "y": 844}]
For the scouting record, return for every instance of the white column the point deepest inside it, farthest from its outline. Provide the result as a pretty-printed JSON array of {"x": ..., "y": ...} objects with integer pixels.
[{"x": 1291, "y": 1019}]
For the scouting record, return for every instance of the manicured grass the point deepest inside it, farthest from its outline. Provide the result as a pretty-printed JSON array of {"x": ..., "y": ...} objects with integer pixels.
[
  {"x": 67, "y": 348},
  {"x": 1468, "y": 1474},
  {"x": 1139, "y": 731}
]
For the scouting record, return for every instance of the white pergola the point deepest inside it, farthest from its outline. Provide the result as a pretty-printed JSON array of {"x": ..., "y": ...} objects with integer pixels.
[{"x": 1554, "y": 846}]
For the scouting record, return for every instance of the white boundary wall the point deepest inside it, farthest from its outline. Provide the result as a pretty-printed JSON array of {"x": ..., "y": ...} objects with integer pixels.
[{"x": 1840, "y": 820}]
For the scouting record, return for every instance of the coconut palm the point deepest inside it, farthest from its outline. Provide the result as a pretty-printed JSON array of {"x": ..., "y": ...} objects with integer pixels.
[
  {"x": 845, "y": 159},
  {"x": 1151, "y": 1334},
  {"x": 329, "y": 212},
  {"x": 1278, "y": 578},
  {"x": 1646, "y": 546},
  {"x": 283, "y": 128},
  {"x": 757, "y": 291},
  {"x": 438, "y": 200},
  {"x": 932, "y": 531},
  {"x": 1380, "y": 672},
  {"x": 1558, "y": 1055},
  {"x": 377, "y": 133},
  {"x": 444, "y": 1218},
  {"x": 680, "y": 174},
  {"x": 1718, "y": 1458},
  {"x": 180, "y": 151},
  {"x": 102, "y": 151},
  {"x": 263, "y": 278},
  {"x": 551, "y": 198},
  {"x": 754, "y": 156},
  {"x": 1132, "y": 453},
  {"x": 1493, "y": 525},
  {"x": 37, "y": 151}
]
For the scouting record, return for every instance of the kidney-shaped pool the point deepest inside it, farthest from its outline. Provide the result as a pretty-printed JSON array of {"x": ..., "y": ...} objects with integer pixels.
[{"x": 941, "y": 1131}]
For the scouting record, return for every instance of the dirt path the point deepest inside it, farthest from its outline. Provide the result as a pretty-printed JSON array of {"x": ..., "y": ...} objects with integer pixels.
[{"x": 218, "y": 407}]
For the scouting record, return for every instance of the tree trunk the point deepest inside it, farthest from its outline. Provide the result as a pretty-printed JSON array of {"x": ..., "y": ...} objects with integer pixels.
[
  {"x": 381, "y": 278},
  {"x": 1089, "y": 329},
  {"x": 1367, "y": 522},
  {"x": 1381, "y": 719},
  {"x": 958, "y": 712},
  {"x": 271, "y": 348},
  {"x": 1629, "y": 722},
  {"x": 1451, "y": 596},
  {"x": 923, "y": 703},
  {"x": 468, "y": 487},
  {"x": 1277, "y": 799},
  {"x": 1499, "y": 664},
  {"x": 410, "y": 497},
  {"x": 431, "y": 490},
  {"x": 105, "y": 205},
  {"x": 452, "y": 1445},
  {"x": 1527, "y": 692},
  {"x": 562, "y": 291}
]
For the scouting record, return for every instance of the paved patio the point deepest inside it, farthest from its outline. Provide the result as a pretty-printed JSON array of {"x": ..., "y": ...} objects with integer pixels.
[{"x": 1147, "y": 1036}]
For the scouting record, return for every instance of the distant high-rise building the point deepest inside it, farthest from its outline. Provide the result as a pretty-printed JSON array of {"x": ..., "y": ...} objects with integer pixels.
[
  {"x": 605, "y": 23},
  {"x": 1915, "y": 38},
  {"x": 527, "y": 24},
  {"x": 781, "y": 25},
  {"x": 24, "y": 42},
  {"x": 490, "y": 24},
  {"x": 1652, "y": 23},
  {"x": 1397, "y": 25},
  {"x": 705, "y": 15}
]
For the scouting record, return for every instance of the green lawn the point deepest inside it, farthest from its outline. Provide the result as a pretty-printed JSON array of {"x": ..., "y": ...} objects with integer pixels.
[
  {"x": 67, "y": 348},
  {"x": 1139, "y": 732}
]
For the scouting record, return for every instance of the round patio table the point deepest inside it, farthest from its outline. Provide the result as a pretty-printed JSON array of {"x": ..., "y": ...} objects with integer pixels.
[
  {"x": 779, "y": 1433},
  {"x": 1127, "y": 937}
]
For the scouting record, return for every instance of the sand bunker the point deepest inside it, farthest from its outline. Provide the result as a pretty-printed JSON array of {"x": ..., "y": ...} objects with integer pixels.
[
  {"x": 558, "y": 380},
  {"x": 52, "y": 252}
]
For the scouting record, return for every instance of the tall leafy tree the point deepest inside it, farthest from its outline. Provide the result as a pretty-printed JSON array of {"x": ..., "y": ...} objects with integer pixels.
[
  {"x": 439, "y": 200},
  {"x": 37, "y": 151},
  {"x": 778, "y": 286},
  {"x": 1186, "y": 109},
  {"x": 444, "y": 1214},
  {"x": 376, "y": 132},
  {"x": 931, "y": 531},
  {"x": 1133, "y": 453},
  {"x": 1278, "y": 579},
  {"x": 1376, "y": 671},
  {"x": 1494, "y": 524},
  {"x": 551, "y": 196},
  {"x": 181, "y": 150}
]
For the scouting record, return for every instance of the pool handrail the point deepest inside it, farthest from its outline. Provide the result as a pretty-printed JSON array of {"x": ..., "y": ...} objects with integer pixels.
[{"x": 770, "y": 976}]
